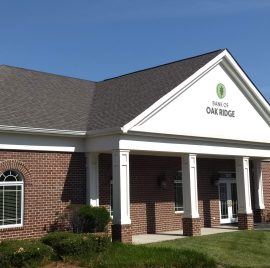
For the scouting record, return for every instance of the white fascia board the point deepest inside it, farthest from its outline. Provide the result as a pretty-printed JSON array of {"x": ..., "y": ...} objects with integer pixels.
[
  {"x": 252, "y": 93},
  {"x": 200, "y": 147},
  {"x": 248, "y": 82},
  {"x": 29, "y": 130},
  {"x": 223, "y": 56}
]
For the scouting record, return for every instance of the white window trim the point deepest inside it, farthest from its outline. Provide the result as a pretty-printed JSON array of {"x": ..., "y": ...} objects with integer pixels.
[{"x": 19, "y": 183}]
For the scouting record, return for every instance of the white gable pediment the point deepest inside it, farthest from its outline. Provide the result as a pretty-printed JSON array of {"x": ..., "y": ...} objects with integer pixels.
[{"x": 198, "y": 111}]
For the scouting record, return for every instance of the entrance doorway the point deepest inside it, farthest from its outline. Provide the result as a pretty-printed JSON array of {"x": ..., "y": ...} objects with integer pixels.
[{"x": 228, "y": 201}]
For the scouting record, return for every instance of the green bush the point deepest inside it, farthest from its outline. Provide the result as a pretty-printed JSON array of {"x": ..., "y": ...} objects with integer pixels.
[
  {"x": 94, "y": 219},
  {"x": 24, "y": 253},
  {"x": 71, "y": 244},
  {"x": 54, "y": 238}
]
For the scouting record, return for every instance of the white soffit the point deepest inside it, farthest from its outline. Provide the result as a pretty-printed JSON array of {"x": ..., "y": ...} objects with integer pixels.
[{"x": 195, "y": 109}]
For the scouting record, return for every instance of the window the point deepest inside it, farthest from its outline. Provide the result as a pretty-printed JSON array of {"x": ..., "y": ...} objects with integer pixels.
[
  {"x": 11, "y": 199},
  {"x": 178, "y": 190}
]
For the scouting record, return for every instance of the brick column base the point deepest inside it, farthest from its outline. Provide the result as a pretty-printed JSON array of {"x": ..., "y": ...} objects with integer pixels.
[
  {"x": 259, "y": 215},
  {"x": 245, "y": 221},
  {"x": 122, "y": 233},
  {"x": 191, "y": 226}
]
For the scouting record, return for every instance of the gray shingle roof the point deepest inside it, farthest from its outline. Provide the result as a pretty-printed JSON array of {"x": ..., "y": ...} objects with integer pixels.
[
  {"x": 40, "y": 100},
  {"x": 125, "y": 97}
]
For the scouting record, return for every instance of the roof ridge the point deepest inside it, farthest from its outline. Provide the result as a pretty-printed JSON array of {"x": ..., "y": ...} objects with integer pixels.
[
  {"x": 161, "y": 65},
  {"x": 47, "y": 73}
]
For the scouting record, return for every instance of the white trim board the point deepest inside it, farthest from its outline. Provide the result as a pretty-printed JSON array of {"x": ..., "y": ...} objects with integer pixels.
[{"x": 41, "y": 143}]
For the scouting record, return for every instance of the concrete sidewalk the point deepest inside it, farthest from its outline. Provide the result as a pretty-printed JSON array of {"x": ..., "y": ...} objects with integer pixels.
[{"x": 172, "y": 235}]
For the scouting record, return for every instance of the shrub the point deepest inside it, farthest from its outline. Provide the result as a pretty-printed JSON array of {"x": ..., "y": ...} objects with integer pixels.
[
  {"x": 24, "y": 253},
  {"x": 71, "y": 244},
  {"x": 54, "y": 238},
  {"x": 94, "y": 219}
]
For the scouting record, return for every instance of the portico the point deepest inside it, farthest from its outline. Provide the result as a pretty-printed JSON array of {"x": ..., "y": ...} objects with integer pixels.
[
  {"x": 199, "y": 119},
  {"x": 190, "y": 220}
]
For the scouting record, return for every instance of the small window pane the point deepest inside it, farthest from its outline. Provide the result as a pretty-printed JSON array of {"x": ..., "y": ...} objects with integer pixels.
[
  {"x": 19, "y": 204},
  {"x": 178, "y": 190},
  {"x": 178, "y": 196},
  {"x": 10, "y": 206},
  {"x": 10, "y": 176}
]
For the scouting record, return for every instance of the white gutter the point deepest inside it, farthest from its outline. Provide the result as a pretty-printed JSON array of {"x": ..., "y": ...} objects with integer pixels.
[{"x": 29, "y": 130}]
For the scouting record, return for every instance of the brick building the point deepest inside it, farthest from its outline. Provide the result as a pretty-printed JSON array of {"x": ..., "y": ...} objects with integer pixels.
[{"x": 178, "y": 146}]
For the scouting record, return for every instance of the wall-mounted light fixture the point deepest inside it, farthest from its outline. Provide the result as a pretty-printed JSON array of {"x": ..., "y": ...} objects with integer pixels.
[
  {"x": 162, "y": 181},
  {"x": 215, "y": 180}
]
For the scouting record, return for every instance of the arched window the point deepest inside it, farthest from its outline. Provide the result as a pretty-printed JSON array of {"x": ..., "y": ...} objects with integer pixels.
[{"x": 11, "y": 199}]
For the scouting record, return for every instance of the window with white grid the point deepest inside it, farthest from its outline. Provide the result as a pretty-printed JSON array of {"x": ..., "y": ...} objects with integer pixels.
[
  {"x": 11, "y": 199},
  {"x": 178, "y": 192}
]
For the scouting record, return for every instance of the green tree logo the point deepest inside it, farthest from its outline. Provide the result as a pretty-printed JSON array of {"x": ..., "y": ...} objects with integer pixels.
[{"x": 221, "y": 91}]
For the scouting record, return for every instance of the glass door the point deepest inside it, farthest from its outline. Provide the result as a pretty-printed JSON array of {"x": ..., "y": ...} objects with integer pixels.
[{"x": 228, "y": 201}]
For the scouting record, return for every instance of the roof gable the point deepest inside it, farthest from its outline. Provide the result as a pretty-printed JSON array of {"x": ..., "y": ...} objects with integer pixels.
[{"x": 194, "y": 108}]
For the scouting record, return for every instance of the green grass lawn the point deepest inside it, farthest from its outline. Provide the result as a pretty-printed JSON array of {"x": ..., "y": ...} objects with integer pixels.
[
  {"x": 131, "y": 256},
  {"x": 235, "y": 249}
]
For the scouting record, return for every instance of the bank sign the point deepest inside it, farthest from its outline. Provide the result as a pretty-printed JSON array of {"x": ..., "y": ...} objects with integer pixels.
[{"x": 220, "y": 108}]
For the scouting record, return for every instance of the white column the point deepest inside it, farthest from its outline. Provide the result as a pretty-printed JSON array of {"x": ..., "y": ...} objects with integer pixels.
[
  {"x": 258, "y": 184},
  {"x": 92, "y": 180},
  {"x": 121, "y": 201},
  {"x": 190, "y": 191},
  {"x": 243, "y": 185}
]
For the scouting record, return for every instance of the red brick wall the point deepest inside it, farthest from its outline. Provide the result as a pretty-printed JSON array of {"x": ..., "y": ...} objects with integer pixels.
[
  {"x": 52, "y": 181},
  {"x": 152, "y": 208},
  {"x": 266, "y": 187}
]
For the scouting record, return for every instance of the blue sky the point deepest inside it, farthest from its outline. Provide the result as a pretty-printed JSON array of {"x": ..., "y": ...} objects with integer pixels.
[{"x": 100, "y": 39}]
